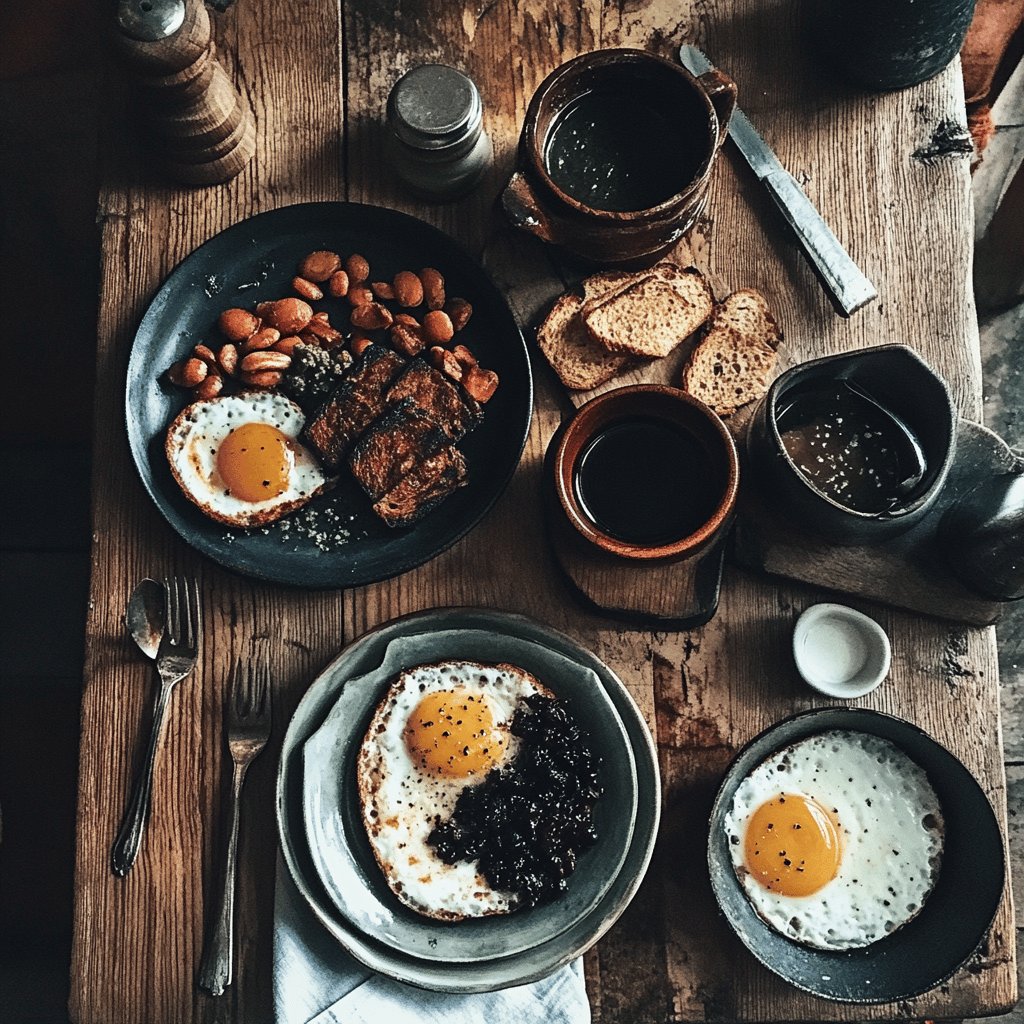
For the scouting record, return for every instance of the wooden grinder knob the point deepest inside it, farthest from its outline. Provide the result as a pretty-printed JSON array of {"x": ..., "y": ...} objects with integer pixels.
[{"x": 204, "y": 131}]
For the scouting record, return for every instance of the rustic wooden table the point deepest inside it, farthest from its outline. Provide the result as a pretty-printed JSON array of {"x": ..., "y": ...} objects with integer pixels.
[{"x": 318, "y": 107}]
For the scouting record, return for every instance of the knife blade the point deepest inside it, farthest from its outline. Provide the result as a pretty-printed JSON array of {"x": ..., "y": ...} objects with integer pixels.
[{"x": 846, "y": 285}]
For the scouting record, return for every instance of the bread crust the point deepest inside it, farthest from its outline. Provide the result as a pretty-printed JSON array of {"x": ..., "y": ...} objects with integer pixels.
[
  {"x": 653, "y": 314},
  {"x": 580, "y": 363},
  {"x": 743, "y": 337}
]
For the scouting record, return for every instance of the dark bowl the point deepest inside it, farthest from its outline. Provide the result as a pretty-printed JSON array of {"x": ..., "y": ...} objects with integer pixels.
[
  {"x": 955, "y": 917},
  {"x": 899, "y": 378},
  {"x": 628, "y": 71}
]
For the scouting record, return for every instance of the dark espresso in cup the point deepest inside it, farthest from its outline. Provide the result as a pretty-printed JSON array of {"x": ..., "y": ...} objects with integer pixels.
[
  {"x": 647, "y": 472},
  {"x": 647, "y": 481},
  {"x": 597, "y": 149}
]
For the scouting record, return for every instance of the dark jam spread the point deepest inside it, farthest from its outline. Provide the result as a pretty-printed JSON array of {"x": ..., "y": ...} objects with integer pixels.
[
  {"x": 623, "y": 150},
  {"x": 525, "y": 824},
  {"x": 645, "y": 481},
  {"x": 848, "y": 447}
]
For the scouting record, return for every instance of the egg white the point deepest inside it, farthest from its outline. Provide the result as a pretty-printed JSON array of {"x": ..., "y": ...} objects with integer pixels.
[
  {"x": 196, "y": 434},
  {"x": 891, "y": 832},
  {"x": 401, "y": 805}
]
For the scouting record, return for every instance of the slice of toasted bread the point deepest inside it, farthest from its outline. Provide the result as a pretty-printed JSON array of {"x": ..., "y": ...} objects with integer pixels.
[
  {"x": 599, "y": 287},
  {"x": 652, "y": 315},
  {"x": 733, "y": 363},
  {"x": 579, "y": 361}
]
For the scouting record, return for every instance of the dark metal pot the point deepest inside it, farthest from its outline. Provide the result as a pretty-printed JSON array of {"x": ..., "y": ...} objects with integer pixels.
[
  {"x": 891, "y": 44},
  {"x": 904, "y": 382}
]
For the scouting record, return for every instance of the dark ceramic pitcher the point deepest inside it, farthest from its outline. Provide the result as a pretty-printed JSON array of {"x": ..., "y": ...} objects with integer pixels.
[
  {"x": 983, "y": 537},
  {"x": 891, "y": 44}
]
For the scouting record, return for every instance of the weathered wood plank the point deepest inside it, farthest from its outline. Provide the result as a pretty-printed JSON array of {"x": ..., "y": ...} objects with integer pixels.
[
  {"x": 888, "y": 203},
  {"x": 138, "y": 941}
]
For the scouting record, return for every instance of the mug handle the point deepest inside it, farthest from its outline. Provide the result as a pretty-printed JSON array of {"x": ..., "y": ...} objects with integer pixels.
[
  {"x": 721, "y": 90},
  {"x": 522, "y": 209}
]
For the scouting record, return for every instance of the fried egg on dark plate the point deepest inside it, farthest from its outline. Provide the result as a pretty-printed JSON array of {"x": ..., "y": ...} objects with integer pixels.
[{"x": 238, "y": 458}]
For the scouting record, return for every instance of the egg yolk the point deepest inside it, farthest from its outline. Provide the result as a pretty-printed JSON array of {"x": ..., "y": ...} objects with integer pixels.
[
  {"x": 255, "y": 462},
  {"x": 453, "y": 735},
  {"x": 792, "y": 845}
]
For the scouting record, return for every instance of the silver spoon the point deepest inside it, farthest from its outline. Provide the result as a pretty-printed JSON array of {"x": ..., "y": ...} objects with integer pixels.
[
  {"x": 145, "y": 616},
  {"x": 908, "y": 439}
]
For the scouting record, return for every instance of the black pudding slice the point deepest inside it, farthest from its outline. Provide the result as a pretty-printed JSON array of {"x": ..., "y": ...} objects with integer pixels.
[{"x": 527, "y": 823}]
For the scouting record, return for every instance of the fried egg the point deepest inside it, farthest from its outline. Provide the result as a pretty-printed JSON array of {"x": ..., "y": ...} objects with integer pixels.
[
  {"x": 836, "y": 839},
  {"x": 437, "y": 730},
  {"x": 239, "y": 459}
]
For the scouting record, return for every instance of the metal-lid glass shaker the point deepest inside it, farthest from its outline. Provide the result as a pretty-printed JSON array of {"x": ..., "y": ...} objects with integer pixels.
[{"x": 436, "y": 141}]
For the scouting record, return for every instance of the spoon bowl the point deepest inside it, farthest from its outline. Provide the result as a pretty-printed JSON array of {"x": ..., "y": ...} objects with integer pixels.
[{"x": 145, "y": 617}]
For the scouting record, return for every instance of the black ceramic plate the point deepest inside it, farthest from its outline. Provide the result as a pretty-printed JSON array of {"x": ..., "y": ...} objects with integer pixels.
[
  {"x": 955, "y": 917},
  {"x": 255, "y": 260}
]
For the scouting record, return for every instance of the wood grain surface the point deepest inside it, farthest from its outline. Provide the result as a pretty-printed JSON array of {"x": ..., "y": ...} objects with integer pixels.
[{"x": 317, "y": 76}]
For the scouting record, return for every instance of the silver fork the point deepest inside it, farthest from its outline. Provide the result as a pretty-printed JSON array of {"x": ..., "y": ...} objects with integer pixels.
[
  {"x": 248, "y": 720},
  {"x": 177, "y": 656}
]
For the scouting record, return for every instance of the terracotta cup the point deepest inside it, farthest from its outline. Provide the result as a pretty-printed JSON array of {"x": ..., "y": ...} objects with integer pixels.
[
  {"x": 535, "y": 203},
  {"x": 676, "y": 408}
]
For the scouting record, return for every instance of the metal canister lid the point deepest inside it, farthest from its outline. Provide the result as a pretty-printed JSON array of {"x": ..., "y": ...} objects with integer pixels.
[
  {"x": 150, "y": 20},
  {"x": 434, "y": 106}
]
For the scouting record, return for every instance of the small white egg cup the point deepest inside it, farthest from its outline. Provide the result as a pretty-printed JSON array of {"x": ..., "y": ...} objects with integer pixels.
[{"x": 839, "y": 651}]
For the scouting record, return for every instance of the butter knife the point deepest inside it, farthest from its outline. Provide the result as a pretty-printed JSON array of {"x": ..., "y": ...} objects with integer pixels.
[{"x": 842, "y": 279}]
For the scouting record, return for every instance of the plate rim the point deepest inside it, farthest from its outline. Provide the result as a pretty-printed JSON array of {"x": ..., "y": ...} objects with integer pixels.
[
  {"x": 383, "y": 960},
  {"x": 138, "y": 446}
]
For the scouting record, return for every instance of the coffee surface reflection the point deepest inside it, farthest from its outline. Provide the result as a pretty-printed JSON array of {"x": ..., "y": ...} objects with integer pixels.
[
  {"x": 849, "y": 447},
  {"x": 619, "y": 151},
  {"x": 646, "y": 481}
]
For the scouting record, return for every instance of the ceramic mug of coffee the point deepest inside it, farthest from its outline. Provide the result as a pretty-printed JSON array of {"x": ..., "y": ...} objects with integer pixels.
[
  {"x": 616, "y": 153},
  {"x": 647, "y": 473}
]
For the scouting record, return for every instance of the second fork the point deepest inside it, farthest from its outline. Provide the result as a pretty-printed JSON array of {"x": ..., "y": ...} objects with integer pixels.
[{"x": 248, "y": 728}]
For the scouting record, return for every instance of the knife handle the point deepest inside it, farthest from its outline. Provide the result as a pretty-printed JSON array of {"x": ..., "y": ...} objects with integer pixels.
[{"x": 847, "y": 287}]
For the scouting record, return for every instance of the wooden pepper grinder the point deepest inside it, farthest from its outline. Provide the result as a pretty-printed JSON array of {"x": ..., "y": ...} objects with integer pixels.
[{"x": 204, "y": 131}]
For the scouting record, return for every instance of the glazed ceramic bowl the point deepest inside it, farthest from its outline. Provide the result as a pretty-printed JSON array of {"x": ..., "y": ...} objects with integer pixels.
[
  {"x": 955, "y": 917},
  {"x": 675, "y": 407},
  {"x": 900, "y": 379},
  {"x": 840, "y": 651},
  {"x": 535, "y": 203}
]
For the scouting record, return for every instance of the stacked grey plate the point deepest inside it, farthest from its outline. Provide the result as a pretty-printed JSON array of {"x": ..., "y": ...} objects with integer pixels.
[{"x": 329, "y": 857}]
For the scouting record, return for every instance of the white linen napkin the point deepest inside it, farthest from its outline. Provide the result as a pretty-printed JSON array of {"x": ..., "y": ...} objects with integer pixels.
[{"x": 317, "y": 982}]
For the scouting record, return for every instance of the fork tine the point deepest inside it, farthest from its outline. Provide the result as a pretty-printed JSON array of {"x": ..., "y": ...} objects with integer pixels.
[
  {"x": 171, "y": 601},
  {"x": 235, "y": 690},
  {"x": 262, "y": 707},
  {"x": 186, "y": 612},
  {"x": 250, "y": 689},
  {"x": 181, "y": 585},
  {"x": 195, "y": 622},
  {"x": 190, "y": 598},
  {"x": 177, "y": 610}
]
